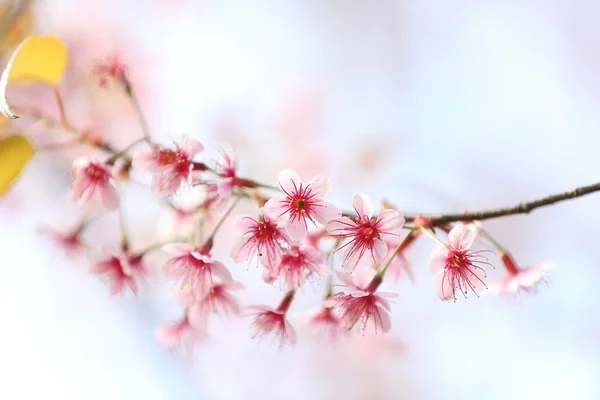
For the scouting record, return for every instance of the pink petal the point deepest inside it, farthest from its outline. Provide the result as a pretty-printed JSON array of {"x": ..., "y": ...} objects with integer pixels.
[
  {"x": 364, "y": 278},
  {"x": 235, "y": 285},
  {"x": 362, "y": 205},
  {"x": 321, "y": 185},
  {"x": 380, "y": 250},
  {"x": 460, "y": 237},
  {"x": 110, "y": 197},
  {"x": 296, "y": 228},
  {"x": 144, "y": 161},
  {"x": 190, "y": 146},
  {"x": 290, "y": 332},
  {"x": 350, "y": 258},
  {"x": 242, "y": 224},
  {"x": 325, "y": 212},
  {"x": 439, "y": 260},
  {"x": 166, "y": 184},
  {"x": 243, "y": 250},
  {"x": 340, "y": 226},
  {"x": 178, "y": 249},
  {"x": 390, "y": 221},
  {"x": 221, "y": 272},
  {"x": 225, "y": 187},
  {"x": 346, "y": 278},
  {"x": 387, "y": 294},
  {"x": 386, "y": 322},
  {"x": 289, "y": 181},
  {"x": 443, "y": 286},
  {"x": 276, "y": 209}
]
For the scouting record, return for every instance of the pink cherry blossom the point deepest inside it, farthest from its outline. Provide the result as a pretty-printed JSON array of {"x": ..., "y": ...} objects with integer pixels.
[
  {"x": 366, "y": 233},
  {"x": 70, "y": 241},
  {"x": 218, "y": 300},
  {"x": 458, "y": 266},
  {"x": 298, "y": 264},
  {"x": 180, "y": 333},
  {"x": 269, "y": 321},
  {"x": 117, "y": 271},
  {"x": 324, "y": 323},
  {"x": 194, "y": 267},
  {"x": 112, "y": 67},
  {"x": 226, "y": 168},
  {"x": 359, "y": 301},
  {"x": 171, "y": 168},
  {"x": 261, "y": 236},
  {"x": 526, "y": 279},
  {"x": 91, "y": 177},
  {"x": 301, "y": 204}
]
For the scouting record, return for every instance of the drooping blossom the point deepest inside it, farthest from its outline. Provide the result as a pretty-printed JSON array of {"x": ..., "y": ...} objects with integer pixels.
[
  {"x": 526, "y": 278},
  {"x": 298, "y": 264},
  {"x": 180, "y": 333},
  {"x": 366, "y": 233},
  {"x": 218, "y": 300},
  {"x": 313, "y": 238},
  {"x": 301, "y": 204},
  {"x": 259, "y": 236},
  {"x": 171, "y": 168},
  {"x": 69, "y": 241},
  {"x": 112, "y": 67},
  {"x": 91, "y": 177},
  {"x": 226, "y": 168},
  {"x": 359, "y": 300},
  {"x": 194, "y": 267},
  {"x": 325, "y": 323},
  {"x": 269, "y": 321},
  {"x": 117, "y": 271},
  {"x": 459, "y": 268}
]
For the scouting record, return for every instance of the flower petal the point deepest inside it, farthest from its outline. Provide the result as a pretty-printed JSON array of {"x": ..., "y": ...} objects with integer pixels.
[
  {"x": 242, "y": 224},
  {"x": 110, "y": 197},
  {"x": 325, "y": 212},
  {"x": 460, "y": 237},
  {"x": 276, "y": 208},
  {"x": 340, "y": 226},
  {"x": 320, "y": 185},
  {"x": 362, "y": 205},
  {"x": 444, "y": 286},
  {"x": 380, "y": 250},
  {"x": 364, "y": 278},
  {"x": 296, "y": 228},
  {"x": 289, "y": 181},
  {"x": 439, "y": 260},
  {"x": 190, "y": 146},
  {"x": 220, "y": 271},
  {"x": 178, "y": 249},
  {"x": 390, "y": 221}
]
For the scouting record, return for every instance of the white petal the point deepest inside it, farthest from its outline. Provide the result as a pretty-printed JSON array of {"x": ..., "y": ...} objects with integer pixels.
[
  {"x": 390, "y": 221},
  {"x": 321, "y": 185},
  {"x": 289, "y": 181}
]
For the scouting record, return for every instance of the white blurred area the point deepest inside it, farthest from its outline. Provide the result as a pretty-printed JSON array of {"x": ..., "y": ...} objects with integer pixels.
[{"x": 433, "y": 105}]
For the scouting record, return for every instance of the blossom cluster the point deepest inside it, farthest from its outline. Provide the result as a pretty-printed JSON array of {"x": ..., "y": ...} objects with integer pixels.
[{"x": 295, "y": 235}]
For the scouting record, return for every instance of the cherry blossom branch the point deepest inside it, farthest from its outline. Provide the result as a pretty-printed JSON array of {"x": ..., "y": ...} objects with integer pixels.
[{"x": 520, "y": 208}]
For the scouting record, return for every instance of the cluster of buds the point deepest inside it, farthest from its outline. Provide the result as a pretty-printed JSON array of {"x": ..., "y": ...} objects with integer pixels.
[{"x": 295, "y": 235}]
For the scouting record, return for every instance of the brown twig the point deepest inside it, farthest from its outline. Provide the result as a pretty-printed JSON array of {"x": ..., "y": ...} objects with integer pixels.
[{"x": 521, "y": 208}]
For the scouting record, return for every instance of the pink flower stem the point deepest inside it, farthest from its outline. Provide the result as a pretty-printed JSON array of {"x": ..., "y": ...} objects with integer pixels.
[
  {"x": 407, "y": 239},
  {"x": 137, "y": 109},
  {"x": 286, "y": 302}
]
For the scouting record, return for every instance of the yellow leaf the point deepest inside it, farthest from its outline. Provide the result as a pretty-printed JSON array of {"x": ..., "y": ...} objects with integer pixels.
[
  {"x": 38, "y": 58},
  {"x": 15, "y": 151}
]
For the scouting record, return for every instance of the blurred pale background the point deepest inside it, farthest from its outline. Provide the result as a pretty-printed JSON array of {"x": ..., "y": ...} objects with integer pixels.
[{"x": 433, "y": 105}]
